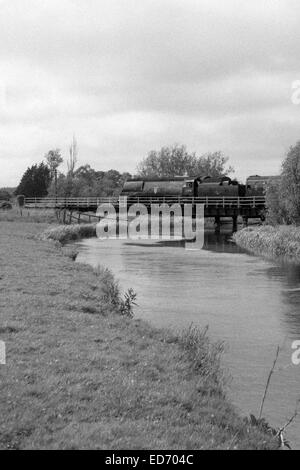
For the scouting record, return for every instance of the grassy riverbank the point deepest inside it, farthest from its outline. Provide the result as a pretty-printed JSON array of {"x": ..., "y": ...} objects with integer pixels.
[
  {"x": 281, "y": 241},
  {"x": 81, "y": 375}
]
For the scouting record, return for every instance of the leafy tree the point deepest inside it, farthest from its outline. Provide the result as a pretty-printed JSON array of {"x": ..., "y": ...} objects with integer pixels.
[
  {"x": 275, "y": 211},
  {"x": 213, "y": 164},
  {"x": 111, "y": 182},
  {"x": 35, "y": 181},
  {"x": 53, "y": 159},
  {"x": 86, "y": 173},
  {"x": 87, "y": 182},
  {"x": 176, "y": 161},
  {"x": 290, "y": 183},
  {"x": 62, "y": 187},
  {"x": 4, "y": 195},
  {"x": 73, "y": 156},
  {"x": 167, "y": 162},
  {"x": 283, "y": 195}
]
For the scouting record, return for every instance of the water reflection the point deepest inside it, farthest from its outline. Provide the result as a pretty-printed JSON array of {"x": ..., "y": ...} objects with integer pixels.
[
  {"x": 290, "y": 292},
  {"x": 287, "y": 274},
  {"x": 221, "y": 243},
  {"x": 218, "y": 242}
]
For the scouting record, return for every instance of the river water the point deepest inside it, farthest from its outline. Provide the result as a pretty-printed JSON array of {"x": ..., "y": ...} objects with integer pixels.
[{"x": 251, "y": 304}]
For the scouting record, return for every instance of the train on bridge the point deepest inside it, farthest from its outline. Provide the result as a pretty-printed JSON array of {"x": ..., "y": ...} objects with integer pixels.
[
  {"x": 194, "y": 187},
  {"x": 221, "y": 197},
  {"x": 183, "y": 187}
]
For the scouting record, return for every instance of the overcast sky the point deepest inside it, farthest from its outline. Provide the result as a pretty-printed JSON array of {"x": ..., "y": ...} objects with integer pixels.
[{"x": 128, "y": 76}]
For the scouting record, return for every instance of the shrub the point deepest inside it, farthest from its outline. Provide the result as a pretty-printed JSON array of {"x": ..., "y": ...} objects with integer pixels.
[
  {"x": 127, "y": 304},
  {"x": 112, "y": 295},
  {"x": 110, "y": 287},
  {"x": 204, "y": 356},
  {"x": 5, "y": 205},
  {"x": 4, "y": 195},
  {"x": 71, "y": 252},
  {"x": 279, "y": 241},
  {"x": 67, "y": 233}
]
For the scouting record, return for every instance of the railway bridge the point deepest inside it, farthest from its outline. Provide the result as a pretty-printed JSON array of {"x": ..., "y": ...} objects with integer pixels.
[{"x": 214, "y": 206}]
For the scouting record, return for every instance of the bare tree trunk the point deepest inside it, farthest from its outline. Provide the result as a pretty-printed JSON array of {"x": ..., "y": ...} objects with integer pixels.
[{"x": 73, "y": 151}]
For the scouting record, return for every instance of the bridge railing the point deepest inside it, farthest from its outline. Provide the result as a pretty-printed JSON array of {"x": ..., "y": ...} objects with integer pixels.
[
  {"x": 53, "y": 202},
  {"x": 94, "y": 202}
]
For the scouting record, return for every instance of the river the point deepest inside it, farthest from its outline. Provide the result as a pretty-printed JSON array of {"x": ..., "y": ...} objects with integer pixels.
[{"x": 251, "y": 304}]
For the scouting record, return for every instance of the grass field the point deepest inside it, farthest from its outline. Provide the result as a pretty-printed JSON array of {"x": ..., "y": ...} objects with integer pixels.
[
  {"x": 80, "y": 375},
  {"x": 28, "y": 215}
]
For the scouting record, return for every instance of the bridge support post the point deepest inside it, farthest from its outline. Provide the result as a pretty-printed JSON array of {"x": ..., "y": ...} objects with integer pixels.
[
  {"x": 234, "y": 223},
  {"x": 245, "y": 221},
  {"x": 217, "y": 224}
]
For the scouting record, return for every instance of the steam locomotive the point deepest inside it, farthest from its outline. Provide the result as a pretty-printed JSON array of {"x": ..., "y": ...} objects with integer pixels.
[
  {"x": 184, "y": 186},
  {"x": 195, "y": 187}
]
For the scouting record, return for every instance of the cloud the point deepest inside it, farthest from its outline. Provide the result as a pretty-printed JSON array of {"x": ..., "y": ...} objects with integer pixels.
[{"x": 131, "y": 76}]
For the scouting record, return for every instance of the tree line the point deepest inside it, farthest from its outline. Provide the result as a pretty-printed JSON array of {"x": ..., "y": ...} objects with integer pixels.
[{"x": 45, "y": 179}]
